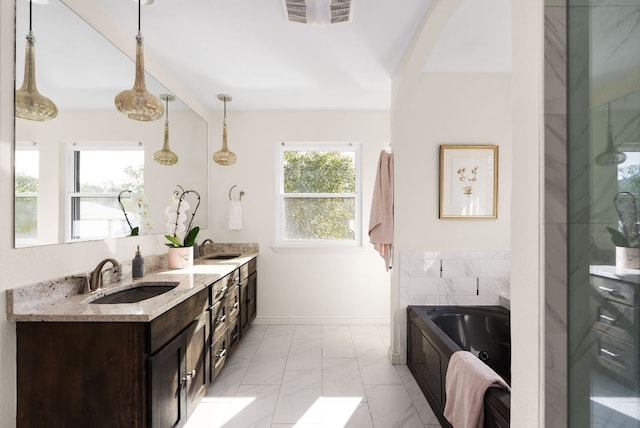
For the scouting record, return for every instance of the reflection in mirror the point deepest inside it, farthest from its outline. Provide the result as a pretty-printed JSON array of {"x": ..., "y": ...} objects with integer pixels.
[{"x": 70, "y": 170}]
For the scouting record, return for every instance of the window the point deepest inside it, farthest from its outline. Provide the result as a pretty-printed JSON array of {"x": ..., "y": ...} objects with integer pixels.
[
  {"x": 92, "y": 201},
  {"x": 319, "y": 198},
  {"x": 27, "y": 175}
]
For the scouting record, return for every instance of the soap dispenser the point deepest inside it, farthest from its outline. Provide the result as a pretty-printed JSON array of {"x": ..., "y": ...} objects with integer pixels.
[{"x": 137, "y": 265}]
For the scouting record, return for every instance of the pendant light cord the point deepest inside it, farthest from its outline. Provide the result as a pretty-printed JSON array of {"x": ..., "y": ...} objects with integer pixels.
[
  {"x": 30, "y": 13},
  {"x": 139, "y": 12}
]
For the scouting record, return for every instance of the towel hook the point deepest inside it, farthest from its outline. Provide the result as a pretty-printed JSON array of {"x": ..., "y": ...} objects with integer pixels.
[{"x": 233, "y": 187}]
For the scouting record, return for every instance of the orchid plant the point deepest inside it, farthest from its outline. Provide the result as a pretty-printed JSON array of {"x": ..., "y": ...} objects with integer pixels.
[
  {"x": 179, "y": 234},
  {"x": 144, "y": 218}
]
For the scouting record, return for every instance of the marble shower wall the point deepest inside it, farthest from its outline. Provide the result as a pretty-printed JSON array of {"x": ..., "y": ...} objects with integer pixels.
[
  {"x": 451, "y": 278},
  {"x": 555, "y": 217}
]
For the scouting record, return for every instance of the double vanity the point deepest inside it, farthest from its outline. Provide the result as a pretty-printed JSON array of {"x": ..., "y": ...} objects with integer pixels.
[{"x": 88, "y": 359}]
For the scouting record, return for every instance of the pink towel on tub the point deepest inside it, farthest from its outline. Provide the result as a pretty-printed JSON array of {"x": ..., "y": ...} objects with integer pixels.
[
  {"x": 467, "y": 380},
  {"x": 381, "y": 218}
]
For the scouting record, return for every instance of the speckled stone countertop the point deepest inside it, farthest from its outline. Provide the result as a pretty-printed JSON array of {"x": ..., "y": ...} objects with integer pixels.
[{"x": 63, "y": 299}]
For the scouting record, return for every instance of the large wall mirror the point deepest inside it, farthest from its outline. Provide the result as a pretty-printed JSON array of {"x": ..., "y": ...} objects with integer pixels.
[{"x": 70, "y": 170}]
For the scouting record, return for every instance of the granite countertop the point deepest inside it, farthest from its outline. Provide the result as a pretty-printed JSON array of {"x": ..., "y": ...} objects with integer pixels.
[
  {"x": 620, "y": 274},
  {"x": 40, "y": 302}
]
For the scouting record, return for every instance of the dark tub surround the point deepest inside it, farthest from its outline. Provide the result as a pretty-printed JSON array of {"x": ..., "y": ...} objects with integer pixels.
[{"x": 434, "y": 333}]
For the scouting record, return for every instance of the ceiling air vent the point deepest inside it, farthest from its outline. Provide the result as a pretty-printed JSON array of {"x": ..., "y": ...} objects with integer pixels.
[{"x": 318, "y": 12}]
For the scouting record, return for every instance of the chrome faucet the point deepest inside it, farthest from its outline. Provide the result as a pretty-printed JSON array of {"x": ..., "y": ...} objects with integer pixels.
[
  {"x": 208, "y": 240},
  {"x": 95, "y": 280}
]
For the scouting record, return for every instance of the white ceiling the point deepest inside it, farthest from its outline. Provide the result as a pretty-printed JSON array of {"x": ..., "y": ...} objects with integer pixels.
[{"x": 246, "y": 48}]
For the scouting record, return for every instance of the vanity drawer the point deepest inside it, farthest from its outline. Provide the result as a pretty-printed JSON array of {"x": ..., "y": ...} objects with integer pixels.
[
  {"x": 219, "y": 318},
  {"x": 233, "y": 303},
  {"x": 618, "y": 291},
  {"x": 218, "y": 291},
  {"x": 247, "y": 269},
  {"x": 617, "y": 356},
  {"x": 218, "y": 356},
  {"x": 233, "y": 333},
  {"x": 617, "y": 320}
]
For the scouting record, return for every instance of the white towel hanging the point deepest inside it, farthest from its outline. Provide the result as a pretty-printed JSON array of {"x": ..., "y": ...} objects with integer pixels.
[{"x": 235, "y": 215}]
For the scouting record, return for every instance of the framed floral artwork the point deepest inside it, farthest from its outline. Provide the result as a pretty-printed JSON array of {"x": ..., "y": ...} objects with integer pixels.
[{"x": 468, "y": 181}]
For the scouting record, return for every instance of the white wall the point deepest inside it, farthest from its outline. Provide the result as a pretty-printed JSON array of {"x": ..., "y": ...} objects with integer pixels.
[
  {"x": 431, "y": 109},
  {"x": 339, "y": 285}
]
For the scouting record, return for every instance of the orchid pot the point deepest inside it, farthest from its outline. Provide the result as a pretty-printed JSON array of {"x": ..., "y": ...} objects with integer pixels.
[{"x": 180, "y": 257}]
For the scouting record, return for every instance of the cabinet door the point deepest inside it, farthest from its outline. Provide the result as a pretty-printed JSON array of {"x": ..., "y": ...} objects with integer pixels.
[
  {"x": 244, "y": 306},
  {"x": 252, "y": 297},
  {"x": 166, "y": 383},
  {"x": 198, "y": 343}
]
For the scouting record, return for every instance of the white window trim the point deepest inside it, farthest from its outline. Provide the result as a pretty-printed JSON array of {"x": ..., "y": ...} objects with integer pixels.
[{"x": 317, "y": 243}]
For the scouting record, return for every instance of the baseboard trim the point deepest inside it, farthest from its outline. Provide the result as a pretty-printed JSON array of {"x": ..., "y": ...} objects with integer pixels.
[
  {"x": 395, "y": 357},
  {"x": 322, "y": 320}
]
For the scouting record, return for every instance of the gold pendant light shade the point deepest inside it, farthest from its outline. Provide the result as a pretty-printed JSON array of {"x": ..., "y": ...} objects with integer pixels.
[
  {"x": 30, "y": 104},
  {"x": 612, "y": 154},
  {"x": 166, "y": 156},
  {"x": 224, "y": 156},
  {"x": 138, "y": 103}
]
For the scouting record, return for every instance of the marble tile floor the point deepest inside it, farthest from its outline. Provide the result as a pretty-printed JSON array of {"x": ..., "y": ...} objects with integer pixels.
[{"x": 313, "y": 376}]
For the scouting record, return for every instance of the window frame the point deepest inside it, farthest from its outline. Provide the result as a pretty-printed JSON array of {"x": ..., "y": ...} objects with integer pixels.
[
  {"x": 72, "y": 185},
  {"x": 281, "y": 196}
]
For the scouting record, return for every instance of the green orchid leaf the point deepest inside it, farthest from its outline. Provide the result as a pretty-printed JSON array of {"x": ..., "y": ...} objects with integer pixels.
[
  {"x": 618, "y": 239},
  {"x": 190, "y": 239},
  {"x": 173, "y": 241}
]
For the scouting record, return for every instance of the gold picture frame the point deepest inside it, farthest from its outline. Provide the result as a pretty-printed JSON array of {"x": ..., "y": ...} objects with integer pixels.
[{"x": 468, "y": 181}]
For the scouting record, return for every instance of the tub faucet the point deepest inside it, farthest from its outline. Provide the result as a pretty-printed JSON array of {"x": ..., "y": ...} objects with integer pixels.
[{"x": 95, "y": 279}]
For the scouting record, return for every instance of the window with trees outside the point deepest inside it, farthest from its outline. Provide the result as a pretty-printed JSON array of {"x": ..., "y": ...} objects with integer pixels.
[
  {"x": 27, "y": 175},
  {"x": 319, "y": 197},
  {"x": 99, "y": 173}
]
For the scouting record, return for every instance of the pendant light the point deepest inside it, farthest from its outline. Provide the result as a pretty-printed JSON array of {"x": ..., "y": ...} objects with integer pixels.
[
  {"x": 224, "y": 156},
  {"x": 30, "y": 104},
  {"x": 612, "y": 154},
  {"x": 166, "y": 156},
  {"x": 137, "y": 103}
]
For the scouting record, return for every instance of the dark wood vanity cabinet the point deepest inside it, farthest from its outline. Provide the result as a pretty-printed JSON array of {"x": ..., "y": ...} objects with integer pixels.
[
  {"x": 114, "y": 374},
  {"x": 616, "y": 325},
  {"x": 177, "y": 375},
  {"x": 248, "y": 294},
  {"x": 132, "y": 374}
]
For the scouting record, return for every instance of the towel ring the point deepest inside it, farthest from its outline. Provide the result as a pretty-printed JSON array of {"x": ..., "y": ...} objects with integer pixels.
[{"x": 233, "y": 187}]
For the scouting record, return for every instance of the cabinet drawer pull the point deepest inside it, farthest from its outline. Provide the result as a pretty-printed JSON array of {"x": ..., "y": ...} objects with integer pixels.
[
  {"x": 221, "y": 292},
  {"x": 221, "y": 354},
  {"x": 235, "y": 305},
  {"x": 221, "y": 319},
  {"x": 609, "y": 353},
  {"x": 188, "y": 378},
  {"x": 612, "y": 292},
  {"x": 607, "y": 319}
]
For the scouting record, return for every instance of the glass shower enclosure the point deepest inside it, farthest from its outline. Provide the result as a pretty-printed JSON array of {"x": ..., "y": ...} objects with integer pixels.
[{"x": 604, "y": 213}]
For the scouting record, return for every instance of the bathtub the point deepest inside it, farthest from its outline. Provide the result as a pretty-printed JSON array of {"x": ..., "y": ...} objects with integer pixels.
[{"x": 434, "y": 333}]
